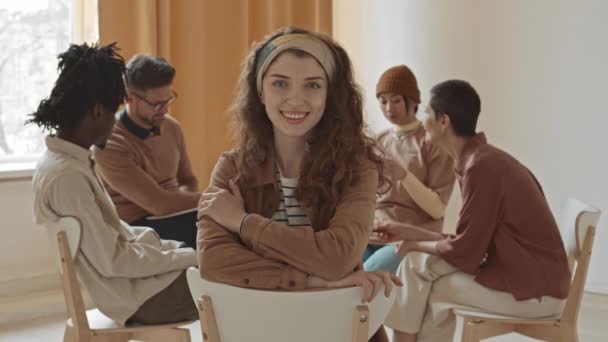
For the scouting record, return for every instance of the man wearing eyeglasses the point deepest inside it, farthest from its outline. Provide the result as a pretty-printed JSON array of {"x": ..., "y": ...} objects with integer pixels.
[{"x": 144, "y": 164}]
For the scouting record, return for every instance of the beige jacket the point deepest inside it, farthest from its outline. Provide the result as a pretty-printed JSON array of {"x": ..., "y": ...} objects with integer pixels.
[
  {"x": 119, "y": 265},
  {"x": 271, "y": 255}
]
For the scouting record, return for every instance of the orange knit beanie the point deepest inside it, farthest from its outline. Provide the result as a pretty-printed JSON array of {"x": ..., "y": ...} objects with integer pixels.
[{"x": 399, "y": 80}]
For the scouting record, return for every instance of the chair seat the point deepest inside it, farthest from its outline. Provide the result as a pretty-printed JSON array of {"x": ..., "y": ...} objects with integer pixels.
[
  {"x": 496, "y": 317},
  {"x": 98, "y": 321}
]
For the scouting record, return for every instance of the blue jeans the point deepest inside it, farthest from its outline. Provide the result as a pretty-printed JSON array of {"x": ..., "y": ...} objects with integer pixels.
[{"x": 381, "y": 258}]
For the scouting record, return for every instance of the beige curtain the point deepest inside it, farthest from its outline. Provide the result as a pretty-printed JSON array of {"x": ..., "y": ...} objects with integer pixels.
[
  {"x": 86, "y": 28},
  {"x": 206, "y": 41}
]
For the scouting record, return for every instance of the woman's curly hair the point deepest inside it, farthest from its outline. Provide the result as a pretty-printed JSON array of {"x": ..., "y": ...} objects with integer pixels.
[{"x": 338, "y": 144}]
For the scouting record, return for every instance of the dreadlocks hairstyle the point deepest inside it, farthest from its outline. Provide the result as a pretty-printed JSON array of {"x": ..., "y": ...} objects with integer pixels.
[
  {"x": 338, "y": 144},
  {"x": 88, "y": 75}
]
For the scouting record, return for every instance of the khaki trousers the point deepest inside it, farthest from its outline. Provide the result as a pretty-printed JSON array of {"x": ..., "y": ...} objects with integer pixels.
[{"x": 432, "y": 288}]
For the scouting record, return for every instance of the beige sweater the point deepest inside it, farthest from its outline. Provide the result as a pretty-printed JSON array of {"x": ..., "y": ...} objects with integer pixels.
[
  {"x": 119, "y": 265},
  {"x": 147, "y": 177},
  {"x": 419, "y": 199}
]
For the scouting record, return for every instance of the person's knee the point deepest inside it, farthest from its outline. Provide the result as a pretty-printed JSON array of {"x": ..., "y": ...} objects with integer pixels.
[
  {"x": 453, "y": 288},
  {"x": 418, "y": 262}
]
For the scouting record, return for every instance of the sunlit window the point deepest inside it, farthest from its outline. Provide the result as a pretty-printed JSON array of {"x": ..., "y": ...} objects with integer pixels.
[{"x": 32, "y": 34}]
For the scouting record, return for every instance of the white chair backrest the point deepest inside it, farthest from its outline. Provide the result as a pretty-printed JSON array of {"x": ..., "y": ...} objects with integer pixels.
[
  {"x": 71, "y": 227},
  {"x": 255, "y": 315},
  {"x": 575, "y": 219}
]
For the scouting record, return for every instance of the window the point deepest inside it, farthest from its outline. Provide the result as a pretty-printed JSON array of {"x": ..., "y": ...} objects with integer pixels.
[{"x": 32, "y": 34}]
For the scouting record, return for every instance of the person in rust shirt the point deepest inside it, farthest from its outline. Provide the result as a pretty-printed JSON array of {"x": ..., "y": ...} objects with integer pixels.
[{"x": 507, "y": 256}]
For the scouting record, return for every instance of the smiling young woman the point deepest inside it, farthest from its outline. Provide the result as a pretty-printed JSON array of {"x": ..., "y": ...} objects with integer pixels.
[{"x": 292, "y": 207}]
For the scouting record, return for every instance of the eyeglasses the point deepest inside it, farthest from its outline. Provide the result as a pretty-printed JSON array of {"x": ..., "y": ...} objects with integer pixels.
[{"x": 158, "y": 105}]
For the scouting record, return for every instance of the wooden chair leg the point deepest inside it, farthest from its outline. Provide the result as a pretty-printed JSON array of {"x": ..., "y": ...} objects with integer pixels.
[
  {"x": 181, "y": 335},
  {"x": 209, "y": 328},
  {"x": 469, "y": 334},
  {"x": 360, "y": 323},
  {"x": 546, "y": 332},
  {"x": 69, "y": 334},
  {"x": 471, "y": 329},
  {"x": 476, "y": 330},
  {"x": 202, "y": 323},
  {"x": 570, "y": 333},
  {"x": 161, "y": 335},
  {"x": 460, "y": 329},
  {"x": 110, "y": 337}
]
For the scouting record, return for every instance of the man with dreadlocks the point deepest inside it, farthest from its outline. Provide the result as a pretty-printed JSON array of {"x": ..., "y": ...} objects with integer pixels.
[{"x": 130, "y": 274}]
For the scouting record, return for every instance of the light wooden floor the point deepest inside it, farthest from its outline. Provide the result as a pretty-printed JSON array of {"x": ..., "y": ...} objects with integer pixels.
[{"x": 593, "y": 326}]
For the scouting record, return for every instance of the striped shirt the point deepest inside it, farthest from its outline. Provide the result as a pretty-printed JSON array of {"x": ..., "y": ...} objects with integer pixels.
[{"x": 289, "y": 212}]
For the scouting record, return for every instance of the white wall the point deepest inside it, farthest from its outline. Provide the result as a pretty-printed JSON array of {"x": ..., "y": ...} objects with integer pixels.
[
  {"x": 24, "y": 242},
  {"x": 539, "y": 66},
  {"x": 29, "y": 284}
]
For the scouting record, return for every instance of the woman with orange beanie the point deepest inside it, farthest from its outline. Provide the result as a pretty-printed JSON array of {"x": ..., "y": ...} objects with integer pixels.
[{"x": 421, "y": 175}]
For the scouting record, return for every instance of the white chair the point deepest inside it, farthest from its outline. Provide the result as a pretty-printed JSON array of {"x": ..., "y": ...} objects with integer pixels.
[
  {"x": 577, "y": 224},
  {"x": 92, "y": 325},
  {"x": 234, "y": 314}
]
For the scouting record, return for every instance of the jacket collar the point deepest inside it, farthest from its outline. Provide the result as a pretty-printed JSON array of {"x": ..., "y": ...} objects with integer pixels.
[
  {"x": 267, "y": 171},
  {"x": 469, "y": 149},
  {"x": 60, "y": 146},
  {"x": 134, "y": 128}
]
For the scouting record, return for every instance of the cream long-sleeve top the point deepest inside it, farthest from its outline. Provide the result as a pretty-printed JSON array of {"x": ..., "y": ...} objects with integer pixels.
[{"x": 420, "y": 198}]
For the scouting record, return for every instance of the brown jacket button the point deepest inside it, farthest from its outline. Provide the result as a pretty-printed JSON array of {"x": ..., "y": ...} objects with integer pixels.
[
  {"x": 292, "y": 283},
  {"x": 246, "y": 280}
]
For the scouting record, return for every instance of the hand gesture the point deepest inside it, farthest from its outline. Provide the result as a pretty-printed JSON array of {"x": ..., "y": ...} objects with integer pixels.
[
  {"x": 395, "y": 171},
  {"x": 376, "y": 238},
  {"x": 392, "y": 231},
  {"x": 370, "y": 282},
  {"x": 223, "y": 206}
]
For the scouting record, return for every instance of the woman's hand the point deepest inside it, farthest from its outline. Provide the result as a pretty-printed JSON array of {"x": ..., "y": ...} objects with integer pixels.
[
  {"x": 405, "y": 247},
  {"x": 376, "y": 239},
  {"x": 394, "y": 231},
  {"x": 396, "y": 171},
  {"x": 223, "y": 206},
  {"x": 370, "y": 282}
]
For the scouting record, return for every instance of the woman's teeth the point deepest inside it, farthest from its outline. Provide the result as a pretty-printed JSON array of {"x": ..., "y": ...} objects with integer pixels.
[{"x": 294, "y": 115}]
